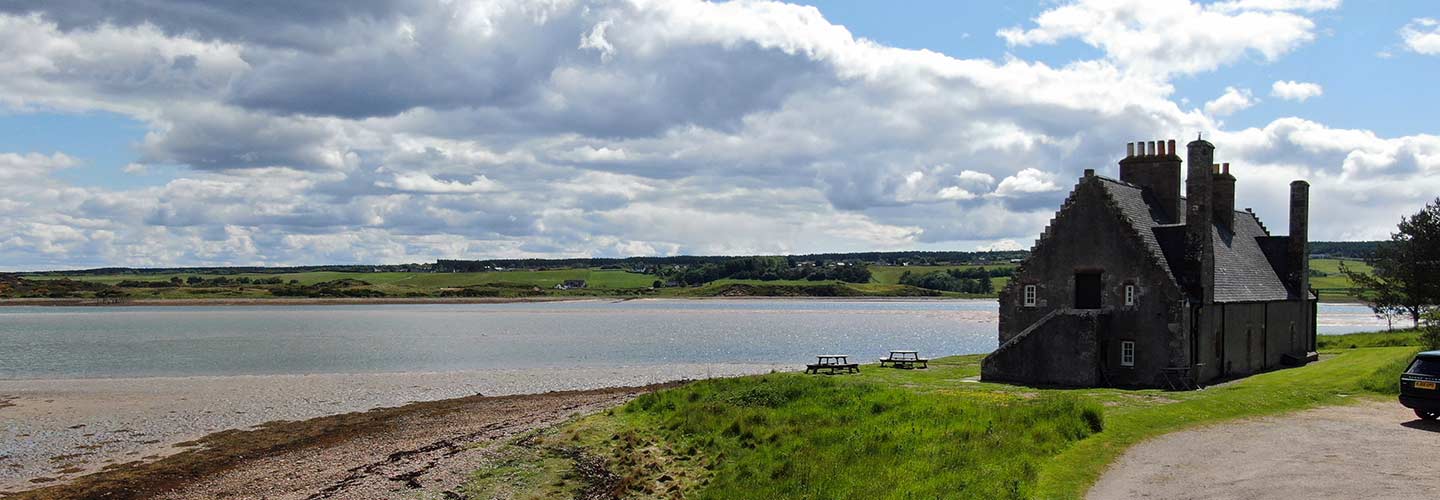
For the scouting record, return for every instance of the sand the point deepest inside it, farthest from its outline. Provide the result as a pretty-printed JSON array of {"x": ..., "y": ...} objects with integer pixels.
[
  {"x": 1376, "y": 449},
  {"x": 55, "y": 430}
]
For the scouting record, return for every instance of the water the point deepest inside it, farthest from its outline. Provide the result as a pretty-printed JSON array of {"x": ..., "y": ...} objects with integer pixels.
[{"x": 39, "y": 342}]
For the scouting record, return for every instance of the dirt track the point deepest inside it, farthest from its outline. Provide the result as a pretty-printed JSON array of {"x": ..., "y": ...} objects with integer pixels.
[{"x": 1372, "y": 450}]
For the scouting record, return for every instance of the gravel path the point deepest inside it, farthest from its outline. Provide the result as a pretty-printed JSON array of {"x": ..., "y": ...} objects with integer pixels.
[
  {"x": 52, "y": 431},
  {"x": 1371, "y": 450}
]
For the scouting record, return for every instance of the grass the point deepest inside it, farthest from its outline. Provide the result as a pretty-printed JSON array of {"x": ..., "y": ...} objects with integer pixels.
[
  {"x": 1397, "y": 338},
  {"x": 1335, "y": 286},
  {"x": 935, "y": 432},
  {"x": 609, "y": 282}
]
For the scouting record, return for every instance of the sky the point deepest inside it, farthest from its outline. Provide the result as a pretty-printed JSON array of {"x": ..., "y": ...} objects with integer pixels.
[{"x": 167, "y": 133}]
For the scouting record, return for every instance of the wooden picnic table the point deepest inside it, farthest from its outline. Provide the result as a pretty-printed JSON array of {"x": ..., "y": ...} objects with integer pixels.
[
  {"x": 832, "y": 363},
  {"x": 905, "y": 359}
]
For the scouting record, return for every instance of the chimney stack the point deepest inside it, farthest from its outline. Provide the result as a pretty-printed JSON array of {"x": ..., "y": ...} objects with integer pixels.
[
  {"x": 1222, "y": 197},
  {"x": 1154, "y": 167},
  {"x": 1299, "y": 246},
  {"x": 1199, "y": 247}
]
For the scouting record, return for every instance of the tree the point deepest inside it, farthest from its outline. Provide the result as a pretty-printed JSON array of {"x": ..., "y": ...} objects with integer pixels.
[
  {"x": 1406, "y": 274},
  {"x": 1430, "y": 336}
]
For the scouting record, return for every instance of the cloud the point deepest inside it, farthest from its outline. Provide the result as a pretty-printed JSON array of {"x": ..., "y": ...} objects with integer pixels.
[
  {"x": 1422, "y": 36},
  {"x": 1231, "y": 101},
  {"x": 15, "y": 166},
  {"x": 1295, "y": 91},
  {"x": 349, "y": 132},
  {"x": 419, "y": 182},
  {"x": 1163, "y": 37}
]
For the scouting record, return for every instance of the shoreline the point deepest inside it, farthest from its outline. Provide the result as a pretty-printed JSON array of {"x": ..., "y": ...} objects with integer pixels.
[
  {"x": 354, "y": 453},
  {"x": 435, "y": 300},
  {"x": 59, "y": 430}
]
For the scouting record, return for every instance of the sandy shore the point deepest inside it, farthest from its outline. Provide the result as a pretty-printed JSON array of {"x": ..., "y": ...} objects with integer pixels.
[
  {"x": 294, "y": 301},
  {"x": 432, "y": 300},
  {"x": 56, "y": 430}
]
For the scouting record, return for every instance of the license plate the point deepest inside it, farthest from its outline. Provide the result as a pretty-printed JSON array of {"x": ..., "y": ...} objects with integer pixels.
[{"x": 1420, "y": 384}]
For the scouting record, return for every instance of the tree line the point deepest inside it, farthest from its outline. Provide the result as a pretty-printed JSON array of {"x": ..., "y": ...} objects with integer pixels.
[
  {"x": 971, "y": 280},
  {"x": 1405, "y": 275}
]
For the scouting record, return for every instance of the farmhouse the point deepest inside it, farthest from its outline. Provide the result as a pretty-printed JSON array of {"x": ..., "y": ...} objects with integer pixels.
[
  {"x": 1134, "y": 285},
  {"x": 571, "y": 285}
]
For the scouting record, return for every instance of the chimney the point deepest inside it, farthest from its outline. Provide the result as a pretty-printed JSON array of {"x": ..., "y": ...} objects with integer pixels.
[
  {"x": 1199, "y": 250},
  {"x": 1222, "y": 197},
  {"x": 1155, "y": 167},
  {"x": 1299, "y": 246}
]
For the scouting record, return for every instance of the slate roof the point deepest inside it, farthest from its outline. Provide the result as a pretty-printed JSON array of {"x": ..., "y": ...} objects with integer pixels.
[{"x": 1242, "y": 271}]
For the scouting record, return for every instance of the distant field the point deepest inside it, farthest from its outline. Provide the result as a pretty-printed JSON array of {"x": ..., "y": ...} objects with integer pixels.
[
  {"x": 1335, "y": 286},
  {"x": 884, "y": 281},
  {"x": 418, "y": 282}
]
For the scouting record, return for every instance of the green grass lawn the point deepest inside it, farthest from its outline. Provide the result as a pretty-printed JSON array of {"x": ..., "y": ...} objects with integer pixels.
[
  {"x": 1335, "y": 287},
  {"x": 888, "y": 433}
]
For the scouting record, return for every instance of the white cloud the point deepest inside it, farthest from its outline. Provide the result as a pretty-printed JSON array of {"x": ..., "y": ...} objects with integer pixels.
[
  {"x": 1027, "y": 181},
  {"x": 1001, "y": 246},
  {"x": 1295, "y": 91},
  {"x": 1422, "y": 36},
  {"x": 1163, "y": 37},
  {"x": 1302, "y": 5},
  {"x": 1230, "y": 102},
  {"x": 420, "y": 182},
  {"x": 616, "y": 127}
]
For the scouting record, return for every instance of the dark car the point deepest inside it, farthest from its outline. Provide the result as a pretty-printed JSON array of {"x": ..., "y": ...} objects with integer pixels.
[{"x": 1420, "y": 385}]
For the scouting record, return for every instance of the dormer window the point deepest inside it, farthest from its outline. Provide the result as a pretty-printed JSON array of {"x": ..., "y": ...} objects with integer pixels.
[
  {"x": 1129, "y": 295},
  {"x": 1030, "y": 295}
]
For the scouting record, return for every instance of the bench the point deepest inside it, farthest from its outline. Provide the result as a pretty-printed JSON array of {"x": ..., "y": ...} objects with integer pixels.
[
  {"x": 904, "y": 359},
  {"x": 832, "y": 363},
  {"x": 905, "y": 363},
  {"x": 832, "y": 368}
]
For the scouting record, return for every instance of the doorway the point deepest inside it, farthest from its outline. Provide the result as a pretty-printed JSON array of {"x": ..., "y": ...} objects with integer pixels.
[{"x": 1087, "y": 290}]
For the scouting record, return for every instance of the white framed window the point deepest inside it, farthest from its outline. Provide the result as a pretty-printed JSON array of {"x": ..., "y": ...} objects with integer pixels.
[
  {"x": 1030, "y": 295},
  {"x": 1129, "y": 295},
  {"x": 1127, "y": 353}
]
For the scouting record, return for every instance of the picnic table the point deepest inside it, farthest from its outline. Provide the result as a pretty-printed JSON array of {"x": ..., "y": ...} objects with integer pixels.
[
  {"x": 832, "y": 363},
  {"x": 905, "y": 359}
]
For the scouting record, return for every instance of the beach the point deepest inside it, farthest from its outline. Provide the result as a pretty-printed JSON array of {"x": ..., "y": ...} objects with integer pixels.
[{"x": 57, "y": 429}]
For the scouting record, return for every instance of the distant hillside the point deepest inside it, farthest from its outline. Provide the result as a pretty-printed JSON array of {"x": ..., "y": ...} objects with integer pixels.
[
  {"x": 1333, "y": 249},
  {"x": 1344, "y": 249}
]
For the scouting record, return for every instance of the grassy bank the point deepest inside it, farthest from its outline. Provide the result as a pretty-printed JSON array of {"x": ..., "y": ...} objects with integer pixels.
[
  {"x": 888, "y": 433},
  {"x": 885, "y": 282}
]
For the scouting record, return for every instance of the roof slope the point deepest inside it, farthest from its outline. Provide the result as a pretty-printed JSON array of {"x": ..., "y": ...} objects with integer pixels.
[{"x": 1242, "y": 272}]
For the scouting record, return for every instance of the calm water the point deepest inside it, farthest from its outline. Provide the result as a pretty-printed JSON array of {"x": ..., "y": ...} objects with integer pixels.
[{"x": 38, "y": 342}]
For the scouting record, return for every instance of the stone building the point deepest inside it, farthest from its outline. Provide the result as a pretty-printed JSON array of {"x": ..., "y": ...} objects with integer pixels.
[{"x": 1133, "y": 285}]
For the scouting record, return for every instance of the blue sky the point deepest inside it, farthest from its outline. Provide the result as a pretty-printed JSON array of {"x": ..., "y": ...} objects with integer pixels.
[
  {"x": 176, "y": 133},
  {"x": 1343, "y": 59}
]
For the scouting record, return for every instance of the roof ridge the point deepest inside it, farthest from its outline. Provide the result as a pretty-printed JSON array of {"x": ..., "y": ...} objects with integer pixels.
[{"x": 1157, "y": 256}]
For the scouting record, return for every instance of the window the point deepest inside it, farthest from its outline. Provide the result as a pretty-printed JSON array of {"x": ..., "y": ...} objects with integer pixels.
[
  {"x": 1129, "y": 295},
  {"x": 1127, "y": 353},
  {"x": 1088, "y": 287},
  {"x": 1030, "y": 295},
  {"x": 1424, "y": 366}
]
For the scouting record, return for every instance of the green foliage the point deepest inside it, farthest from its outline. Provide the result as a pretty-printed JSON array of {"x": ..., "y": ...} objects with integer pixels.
[
  {"x": 1430, "y": 333},
  {"x": 797, "y": 436},
  {"x": 1406, "y": 274},
  {"x": 965, "y": 280},
  {"x": 1399, "y": 338}
]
